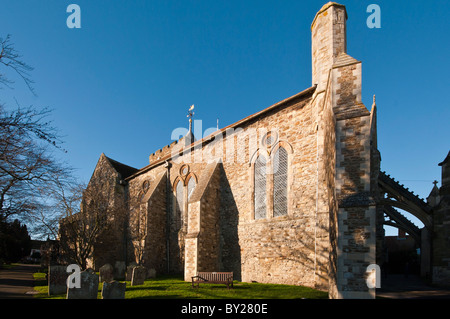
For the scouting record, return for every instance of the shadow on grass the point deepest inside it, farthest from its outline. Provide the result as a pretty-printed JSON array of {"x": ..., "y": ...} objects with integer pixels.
[
  {"x": 143, "y": 288},
  {"x": 169, "y": 287}
]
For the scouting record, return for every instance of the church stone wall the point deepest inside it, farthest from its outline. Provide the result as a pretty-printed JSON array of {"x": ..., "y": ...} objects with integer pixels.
[
  {"x": 155, "y": 204},
  {"x": 327, "y": 202},
  {"x": 275, "y": 249},
  {"x": 147, "y": 232},
  {"x": 105, "y": 191},
  {"x": 357, "y": 210}
]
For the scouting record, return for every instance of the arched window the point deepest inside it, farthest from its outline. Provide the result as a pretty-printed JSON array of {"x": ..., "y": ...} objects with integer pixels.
[
  {"x": 145, "y": 186},
  {"x": 143, "y": 192},
  {"x": 183, "y": 188},
  {"x": 280, "y": 182},
  {"x": 260, "y": 187},
  {"x": 191, "y": 187},
  {"x": 179, "y": 209}
]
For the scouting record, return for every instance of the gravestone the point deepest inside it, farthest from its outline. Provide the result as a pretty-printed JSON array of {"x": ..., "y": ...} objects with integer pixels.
[
  {"x": 129, "y": 273},
  {"x": 89, "y": 286},
  {"x": 113, "y": 290},
  {"x": 119, "y": 270},
  {"x": 106, "y": 273},
  {"x": 139, "y": 275},
  {"x": 57, "y": 277}
]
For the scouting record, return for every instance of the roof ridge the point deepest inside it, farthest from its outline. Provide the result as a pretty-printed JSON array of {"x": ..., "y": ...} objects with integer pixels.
[
  {"x": 123, "y": 169},
  {"x": 113, "y": 160}
]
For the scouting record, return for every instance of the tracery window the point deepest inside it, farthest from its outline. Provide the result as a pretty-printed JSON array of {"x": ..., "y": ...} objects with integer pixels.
[
  {"x": 271, "y": 180},
  {"x": 260, "y": 187},
  {"x": 280, "y": 182},
  {"x": 183, "y": 188},
  {"x": 191, "y": 187},
  {"x": 179, "y": 200},
  {"x": 145, "y": 187}
]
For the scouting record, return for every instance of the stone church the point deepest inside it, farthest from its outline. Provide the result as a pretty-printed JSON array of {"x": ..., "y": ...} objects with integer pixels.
[{"x": 285, "y": 195}]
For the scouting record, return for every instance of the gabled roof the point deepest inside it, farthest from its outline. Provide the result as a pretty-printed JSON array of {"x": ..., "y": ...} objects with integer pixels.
[{"x": 122, "y": 169}]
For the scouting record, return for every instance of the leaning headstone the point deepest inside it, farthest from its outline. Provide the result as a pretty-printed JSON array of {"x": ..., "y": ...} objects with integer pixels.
[
  {"x": 106, "y": 273},
  {"x": 129, "y": 273},
  {"x": 139, "y": 275},
  {"x": 119, "y": 270},
  {"x": 88, "y": 286},
  {"x": 113, "y": 290},
  {"x": 57, "y": 277}
]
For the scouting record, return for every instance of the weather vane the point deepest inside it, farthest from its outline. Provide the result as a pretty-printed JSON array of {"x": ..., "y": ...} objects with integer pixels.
[{"x": 190, "y": 115}]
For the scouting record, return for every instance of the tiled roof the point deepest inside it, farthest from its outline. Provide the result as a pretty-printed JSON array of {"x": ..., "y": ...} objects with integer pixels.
[{"x": 122, "y": 169}]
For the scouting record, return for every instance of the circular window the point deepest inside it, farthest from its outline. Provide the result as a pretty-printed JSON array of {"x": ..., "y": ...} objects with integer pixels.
[
  {"x": 270, "y": 138},
  {"x": 145, "y": 186},
  {"x": 184, "y": 170}
]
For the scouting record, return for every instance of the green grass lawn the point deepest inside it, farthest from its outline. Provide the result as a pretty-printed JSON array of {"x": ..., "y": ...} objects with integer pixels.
[{"x": 170, "y": 287}]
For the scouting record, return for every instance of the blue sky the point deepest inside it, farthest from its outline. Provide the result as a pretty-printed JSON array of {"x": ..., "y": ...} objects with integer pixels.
[{"x": 124, "y": 81}]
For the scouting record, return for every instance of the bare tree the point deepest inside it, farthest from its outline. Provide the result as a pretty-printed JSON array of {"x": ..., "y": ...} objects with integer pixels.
[
  {"x": 61, "y": 199},
  {"x": 28, "y": 167},
  {"x": 11, "y": 59},
  {"x": 26, "y": 162},
  {"x": 79, "y": 232}
]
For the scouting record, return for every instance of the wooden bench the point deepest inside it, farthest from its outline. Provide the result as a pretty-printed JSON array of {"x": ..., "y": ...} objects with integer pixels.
[{"x": 213, "y": 278}]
